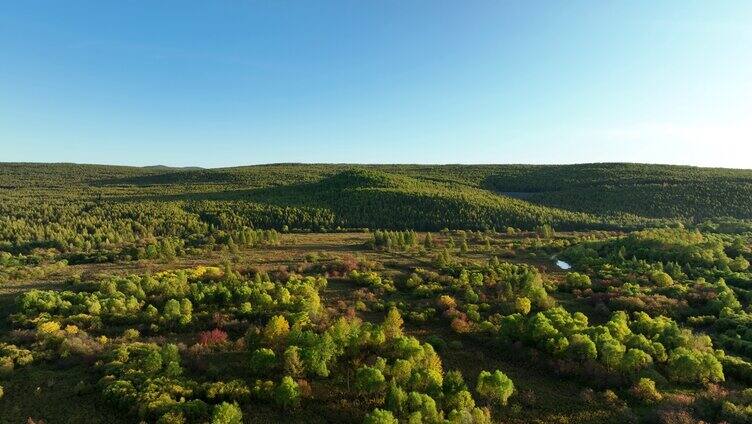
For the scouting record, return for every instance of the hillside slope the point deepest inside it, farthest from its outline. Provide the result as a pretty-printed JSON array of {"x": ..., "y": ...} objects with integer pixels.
[{"x": 320, "y": 196}]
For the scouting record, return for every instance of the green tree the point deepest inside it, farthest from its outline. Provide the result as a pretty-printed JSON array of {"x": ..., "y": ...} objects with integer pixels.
[
  {"x": 425, "y": 405},
  {"x": 173, "y": 417},
  {"x": 575, "y": 280},
  {"x": 462, "y": 400},
  {"x": 496, "y": 387},
  {"x": 582, "y": 348},
  {"x": 186, "y": 311},
  {"x": 293, "y": 364},
  {"x": 428, "y": 242},
  {"x": 380, "y": 416},
  {"x": 262, "y": 361},
  {"x": 634, "y": 360},
  {"x": 393, "y": 324},
  {"x": 454, "y": 382},
  {"x": 644, "y": 389},
  {"x": 276, "y": 330},
  {"x": 227, "y": 413},
  {"x": 691, "y": 366},
  {"x": 287, "y": 394},
  {"x": 611, "y": 352},
  {"x": 369, "y": 379},
  {"x": 396, "y": 398},
  {"x": 661, "y": 279},
  {"x": 739, "y": 264},
  {"x": 171, "y": 311},
  {"x": 522, "y": 305}
]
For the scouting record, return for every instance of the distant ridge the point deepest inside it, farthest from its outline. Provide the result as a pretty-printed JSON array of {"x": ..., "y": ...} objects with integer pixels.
[
  {"x": 171, "y": 168},
  {"x": 582, "y": 196}
]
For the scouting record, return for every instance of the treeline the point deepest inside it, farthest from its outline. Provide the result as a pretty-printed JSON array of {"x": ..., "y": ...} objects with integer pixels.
[
  {"x": 657, "y": 191},
  {"x": 99, "y": 213}
]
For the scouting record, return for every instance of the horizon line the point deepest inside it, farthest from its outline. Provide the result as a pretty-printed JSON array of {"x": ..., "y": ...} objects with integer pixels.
[{"x": 198, "y": 167}]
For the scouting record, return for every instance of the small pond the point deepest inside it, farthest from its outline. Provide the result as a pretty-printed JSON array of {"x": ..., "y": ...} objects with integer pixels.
[{"x": 562, "y": 265}]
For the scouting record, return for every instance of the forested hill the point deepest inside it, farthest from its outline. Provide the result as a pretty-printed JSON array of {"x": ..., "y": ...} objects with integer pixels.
[{"x": 318, "y": 196}]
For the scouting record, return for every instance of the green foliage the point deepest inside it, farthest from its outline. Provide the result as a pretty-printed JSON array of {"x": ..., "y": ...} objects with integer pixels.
[
  {"x": 522, "y": 305},
  {"x": 635, "y": 360},
  {"x": 496, "y": 387},
  {"x": 582, "y": 348},
  {"x": 287, "y": 394},
  {"x": 575, "y": 280},
  {"x": 227, "y": 413},
  {"x": 395, "y": 240},
  {"x": 173, "y": 417},
  {"x": 276, "y": 330},
  {"x": 392, "y": 325},
  {"x": 380, "y": 416},
  {"x": 661, "y": 279},
  {"x": 293, "y": 364},
  {"x": 371, "y": 279},
  {"x": 739, "y": 264},
  {"x": 369, "y": 379},
  {"x": 644, "y": 390},
  {"x": 658, "y": 191},
  {"x": 692, "y": 366},
  {"x": 262, "y": 361}
]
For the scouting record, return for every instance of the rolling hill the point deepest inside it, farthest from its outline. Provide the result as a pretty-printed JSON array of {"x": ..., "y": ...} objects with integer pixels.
[{"x": 39, "y": 200}]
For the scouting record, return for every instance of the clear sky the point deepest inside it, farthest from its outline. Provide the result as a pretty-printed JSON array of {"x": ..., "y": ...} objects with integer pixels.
[{"x": 224, "y": 83}]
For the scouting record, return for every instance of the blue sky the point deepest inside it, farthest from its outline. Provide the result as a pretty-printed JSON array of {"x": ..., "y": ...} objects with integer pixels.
[{"x": 227, "y": 83}]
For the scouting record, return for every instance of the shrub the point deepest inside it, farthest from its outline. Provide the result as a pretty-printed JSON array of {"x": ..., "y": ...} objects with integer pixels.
[
  {"x": 369, "y": 379},
  {"x": 80, "y": 345},
  {"x": 49, "y": 327},
  {"x": 634, "y": 360},
  {"x": 212, "y": 338},
  {"x": 380, "y": 416},
  {"x": 424, "y": 405},
  {"x": 460, "y": 325},
  {"x": 496, "y": 387},
  {"x": 461, "y": 400},
  {"x": 287, "y": 394},
  {"x": 262, "y": 361},
  {"x": 456, "y": 345},
  {"x": 131, "y": 334},
  {"x": 610, "y": 397},
  {"x": 644, "y": 390},
  {"x": 522, "y": 305},
  {"x": 575, "y": 280},
  {"x": 276, "y": 330},
  {"x": 437, "y": 342},
  {"x": 739, "y": 264},
  {"x": 661, "y": 279},
  {"x": 173, "y": 417},
  {"x": 227, "y": 413},
  {"x": 582, "y": 348},
  {"x": 446, "y": 302},
  {"x": 6, "y": 365},
  {"x": 396, "y": 398},
  {"x": 293, "y": 364},
  {"x": 393, "y": 324},
  {"x": 692, "y": 366}
]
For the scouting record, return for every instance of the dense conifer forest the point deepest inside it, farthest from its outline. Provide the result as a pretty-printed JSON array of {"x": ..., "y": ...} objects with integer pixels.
[{"x": 392, "y": 294}]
